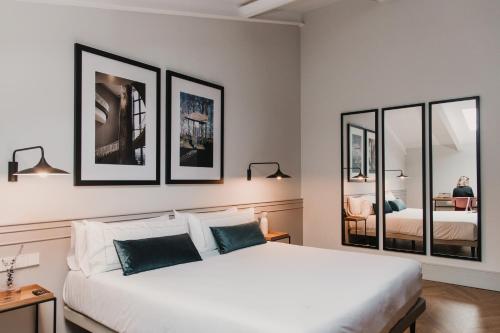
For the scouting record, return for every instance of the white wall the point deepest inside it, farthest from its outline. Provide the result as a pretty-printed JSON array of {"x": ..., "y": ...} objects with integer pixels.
[
  {"x": 395, "y": 158},
  {"x": 449, "y": 164},
  {"x": 258, "y": 64},
  {"x": 360, "y": 54},
  {"x": 414, "y": 182}
]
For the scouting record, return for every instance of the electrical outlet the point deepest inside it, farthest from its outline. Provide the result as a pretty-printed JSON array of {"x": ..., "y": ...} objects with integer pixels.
[{"x": 23, "y": 261}]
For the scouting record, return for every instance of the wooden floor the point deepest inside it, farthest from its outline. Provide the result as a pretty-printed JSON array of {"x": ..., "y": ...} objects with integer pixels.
[{"x": 456, "y": 309}]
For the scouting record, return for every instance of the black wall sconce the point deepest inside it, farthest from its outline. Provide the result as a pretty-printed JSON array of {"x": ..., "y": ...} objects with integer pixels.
[
  {"x": 360, "y": 176},
  {"x": 42, "y": 168},
  {"x": 277, "y": 175},
  {"x": 401, "y": 173}
]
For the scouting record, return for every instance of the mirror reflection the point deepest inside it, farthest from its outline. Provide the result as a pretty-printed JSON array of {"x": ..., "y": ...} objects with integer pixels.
[
  {"x": 359, "y": 179},
  {"x": 403, "y": 157},
  {"x": 455, "y": 219}
]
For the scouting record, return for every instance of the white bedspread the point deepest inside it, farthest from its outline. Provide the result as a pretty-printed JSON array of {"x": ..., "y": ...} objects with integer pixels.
[
  {"x": 455, "y": 225},
  {"x": 267, "y": 288},
  {"x": 448, "y": 225}
]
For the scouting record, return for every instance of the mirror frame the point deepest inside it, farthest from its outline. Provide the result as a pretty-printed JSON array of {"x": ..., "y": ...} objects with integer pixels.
[
  {"x": 377, "y": 180},
  {"x": 478, "y": 175},
  {"x": 424, "y": 180}
]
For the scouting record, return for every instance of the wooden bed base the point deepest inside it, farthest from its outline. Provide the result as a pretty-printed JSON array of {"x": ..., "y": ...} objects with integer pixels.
[
  {"x": 408, "y": 321},
  {"x": 456, "y": 242}
]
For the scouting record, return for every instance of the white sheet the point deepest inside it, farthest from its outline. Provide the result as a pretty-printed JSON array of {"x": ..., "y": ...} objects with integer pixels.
[
  {"x": 448, "y": 225},
  {"x": 455, "y": 225},
  {"x": 267, "y": 288}
]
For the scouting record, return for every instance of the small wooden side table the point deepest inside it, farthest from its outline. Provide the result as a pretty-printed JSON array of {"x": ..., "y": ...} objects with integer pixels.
[
  {"x": 356, "y": 219},
  {"x": 26, "y": 298},
  {"x": 273, "y": 236}
]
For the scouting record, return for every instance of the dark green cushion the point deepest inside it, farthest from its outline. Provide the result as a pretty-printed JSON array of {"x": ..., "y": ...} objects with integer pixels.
[
  {"x": 387, "y": 207},
  {"x": 236, "y": 237},
  {"x": 141, "y": 255},
  {"x": 397, "y": 205}
]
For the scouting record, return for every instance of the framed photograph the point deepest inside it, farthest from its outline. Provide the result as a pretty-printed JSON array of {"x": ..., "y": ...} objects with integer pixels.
[
  {"x": 195, "y": 143},
  {"x": 117, "y": 120},
  {"x": 356, "y": 150},
  {"x": 370, "y": 155}
]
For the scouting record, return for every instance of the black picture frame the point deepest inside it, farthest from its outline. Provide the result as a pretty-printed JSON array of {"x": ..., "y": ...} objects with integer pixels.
[
  {"x": 366, "y": 158},
  {"x": 349, "y": 151},
  {"x": 168, "y": 171},
  {"x": 79, "y": 49},
  {"x": 343, "y": 174},
  {"x": 424, "y": 180},
  {"x": 478, "y": 256}
]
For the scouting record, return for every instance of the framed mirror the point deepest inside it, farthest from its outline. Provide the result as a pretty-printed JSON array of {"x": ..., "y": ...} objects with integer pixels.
[
  {"x": 455, "y": 178},
  {"x": 403, "y": 178},
  {"x": 359, "y": 140}
]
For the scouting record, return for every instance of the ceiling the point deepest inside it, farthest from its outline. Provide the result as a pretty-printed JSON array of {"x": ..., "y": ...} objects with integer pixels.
[
  {"x": 273, "y": 11},
  {"x": 404, "y": 127},
  {"x": 450, "y": 125},
  {"x": 453, "y": 125}
]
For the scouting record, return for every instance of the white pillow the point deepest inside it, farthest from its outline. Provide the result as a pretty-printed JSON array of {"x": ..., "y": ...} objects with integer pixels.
[
  {"x": 195, "y": 228},
  {"x": 201, "y": 224},
  {"x": 370, "y": 197},
  {"x": 366, "y": 208},
  {"x": 78, "y": 245},
  {"x": 359, "y": 206},
  {"x": 389, "y": 196},
  {"x": 354, "y": 205},
  {"x": 101, "y": 254}
]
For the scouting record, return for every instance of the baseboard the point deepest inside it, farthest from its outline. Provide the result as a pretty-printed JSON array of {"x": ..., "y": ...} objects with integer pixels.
[{"x": 462, "y": 276}]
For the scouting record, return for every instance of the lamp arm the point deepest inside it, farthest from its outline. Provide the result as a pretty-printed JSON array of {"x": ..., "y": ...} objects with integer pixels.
[
  {"x": 249, "y": 170},
  {"x": 259, "y": 163},
  {"x": 359, "y": 169},
  {"x": 27, "y": 148}
]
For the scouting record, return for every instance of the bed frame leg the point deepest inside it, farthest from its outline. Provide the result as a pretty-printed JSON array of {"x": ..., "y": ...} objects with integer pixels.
[
  {"x": 473, "y": 251},
  {"x": 413, "y": 245},
  {"x": 413, "y": 328}
]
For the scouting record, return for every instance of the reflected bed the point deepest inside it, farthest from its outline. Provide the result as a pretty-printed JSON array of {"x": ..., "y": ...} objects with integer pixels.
[{"x": 450, "y": 227}]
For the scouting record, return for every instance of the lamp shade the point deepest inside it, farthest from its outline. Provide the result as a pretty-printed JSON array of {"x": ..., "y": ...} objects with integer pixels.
[
  {"x": 279, "y": 175},
  {"x": 41, "y": 169},
  {"x": 402, "y": 175},
  {"x": 359, "y": 176}
]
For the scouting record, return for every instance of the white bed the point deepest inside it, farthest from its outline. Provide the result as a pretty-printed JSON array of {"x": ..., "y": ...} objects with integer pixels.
[
  {"x": 448, "y": 225},
  {"x": 267, "y": 288}
]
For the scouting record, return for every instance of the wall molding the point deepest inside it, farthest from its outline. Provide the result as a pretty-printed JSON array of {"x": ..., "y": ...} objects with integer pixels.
[
  {"x": 462, "y": 276},
  {"x": 31, "y": 232}
]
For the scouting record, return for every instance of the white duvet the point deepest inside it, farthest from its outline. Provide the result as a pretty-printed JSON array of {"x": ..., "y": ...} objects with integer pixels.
[
  {"x": 448, "y": 225},
  {"x": 267, "y": 288}
]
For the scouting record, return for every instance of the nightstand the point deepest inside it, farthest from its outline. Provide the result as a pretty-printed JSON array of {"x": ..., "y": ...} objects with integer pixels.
[
  {"x": 273, "y": 236},
  {"x": 357, "y": 219},
  {"x": 26, "y": 298}
]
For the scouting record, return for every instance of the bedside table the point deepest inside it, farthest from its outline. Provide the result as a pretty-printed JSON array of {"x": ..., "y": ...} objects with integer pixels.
[
  {"x": 357, "y": 219},
  {"x": 25, "y": 298},
  {"x": 273, "y": 236}
]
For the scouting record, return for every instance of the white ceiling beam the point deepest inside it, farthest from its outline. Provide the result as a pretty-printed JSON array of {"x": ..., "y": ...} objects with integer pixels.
[
  {"x": 451, "y": 131},
  {"x": 258, "y": 7},
  {"x": 148, "y": 10},
  {"x": 396, "y": 139}
]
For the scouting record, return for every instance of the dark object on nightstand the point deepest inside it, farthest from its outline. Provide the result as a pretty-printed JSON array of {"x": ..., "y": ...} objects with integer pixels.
[{"x": 39, "y": 292}]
